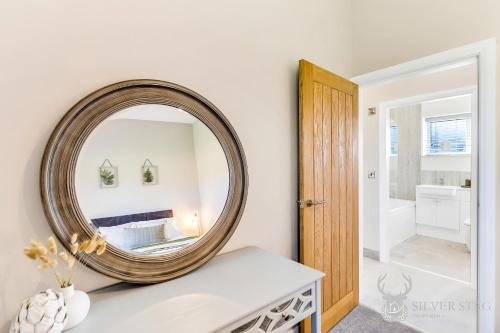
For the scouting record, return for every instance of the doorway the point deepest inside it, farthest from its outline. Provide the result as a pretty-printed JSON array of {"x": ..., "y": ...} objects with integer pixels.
[
  {"x": 427, "y": 147},
  {"x": 429, "y": 206},
  {"x": 484, "y": 54}
]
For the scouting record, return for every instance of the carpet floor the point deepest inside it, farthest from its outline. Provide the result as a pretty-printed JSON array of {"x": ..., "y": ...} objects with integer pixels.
[{"x": 365, "y": 320}]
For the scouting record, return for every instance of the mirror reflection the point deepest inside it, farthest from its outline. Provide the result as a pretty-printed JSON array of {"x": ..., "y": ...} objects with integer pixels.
[{"x": 152, "y": 178}]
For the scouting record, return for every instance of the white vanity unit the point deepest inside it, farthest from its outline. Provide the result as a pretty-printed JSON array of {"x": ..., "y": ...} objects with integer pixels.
[
  {"x": 443, "y": 212},
  {"x": 247, "y": 290}
]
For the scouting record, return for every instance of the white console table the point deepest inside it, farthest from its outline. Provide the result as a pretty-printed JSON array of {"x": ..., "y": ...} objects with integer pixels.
[{"x": 247, "y": 290}]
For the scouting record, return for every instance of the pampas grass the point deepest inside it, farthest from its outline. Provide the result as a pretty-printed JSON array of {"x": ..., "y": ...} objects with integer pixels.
[{"x": 49, "y": 257}]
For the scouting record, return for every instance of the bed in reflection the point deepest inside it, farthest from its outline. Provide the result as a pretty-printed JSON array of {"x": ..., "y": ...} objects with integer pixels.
[{"x": 150, "y": 233}]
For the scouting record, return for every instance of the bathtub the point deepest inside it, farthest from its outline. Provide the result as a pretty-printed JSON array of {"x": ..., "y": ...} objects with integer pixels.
[{"x": 401, "y": 224}]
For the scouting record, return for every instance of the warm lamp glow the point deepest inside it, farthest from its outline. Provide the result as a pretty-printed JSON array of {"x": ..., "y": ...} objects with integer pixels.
[
  {"x": 191, "y": 224},
  {"x": 196, "y": 222}
]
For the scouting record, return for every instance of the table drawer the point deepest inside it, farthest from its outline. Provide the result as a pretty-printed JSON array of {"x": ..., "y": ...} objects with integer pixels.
[{"x": 279, "y": 316}]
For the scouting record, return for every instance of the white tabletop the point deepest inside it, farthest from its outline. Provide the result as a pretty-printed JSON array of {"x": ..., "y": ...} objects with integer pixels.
[{"x": 228, "y": 288}]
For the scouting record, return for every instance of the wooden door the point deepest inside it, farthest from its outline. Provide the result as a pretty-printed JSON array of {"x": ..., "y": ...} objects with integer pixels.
[{"x": 328, "y": 164}]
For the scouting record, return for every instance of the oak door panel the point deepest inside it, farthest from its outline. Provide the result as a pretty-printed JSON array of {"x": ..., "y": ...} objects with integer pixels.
[{"x": 328, "y": 177}]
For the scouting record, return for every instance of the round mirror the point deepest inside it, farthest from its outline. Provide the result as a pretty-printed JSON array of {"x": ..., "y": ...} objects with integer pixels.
[
  {"x": 152, "y": 178},
  {"x": 152, "y": 166}
]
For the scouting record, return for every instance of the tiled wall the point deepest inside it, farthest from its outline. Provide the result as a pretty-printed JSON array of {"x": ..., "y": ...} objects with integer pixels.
[
  {"x": 407, "y": 173},
  {"x": 455, "y": 178}
]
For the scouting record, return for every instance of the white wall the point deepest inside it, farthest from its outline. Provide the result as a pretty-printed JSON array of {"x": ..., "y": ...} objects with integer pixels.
[
  {"x": 446, "y": 163},
  {"x": 447, "y": 106},
  {"x": 213, "y": 175},
  {"x": 243, "y": 56},
  {"x": 127, "y": 144},
  {"x": 371, "y": 97}
]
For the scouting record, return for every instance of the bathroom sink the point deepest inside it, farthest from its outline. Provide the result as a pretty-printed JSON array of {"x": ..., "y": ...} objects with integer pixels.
[{"x": 440, "y": 190}]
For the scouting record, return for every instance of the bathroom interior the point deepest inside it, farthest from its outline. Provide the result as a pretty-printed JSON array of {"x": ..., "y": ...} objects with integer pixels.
[
  {"x": 429, "y": 224},
  {"x": 420, "y": 195}
]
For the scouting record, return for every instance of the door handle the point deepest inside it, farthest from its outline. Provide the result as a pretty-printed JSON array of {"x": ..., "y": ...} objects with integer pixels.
[{"x": 310, "y": 203}]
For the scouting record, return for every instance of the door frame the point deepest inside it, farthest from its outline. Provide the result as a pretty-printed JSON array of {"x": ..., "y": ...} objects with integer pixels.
[{"x": 485, "y": 53}]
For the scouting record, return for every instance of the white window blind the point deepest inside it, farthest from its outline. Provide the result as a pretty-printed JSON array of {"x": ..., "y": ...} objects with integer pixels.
[
  {"x": 394, "y": 138},
  {"x": 448, "y": 134}
]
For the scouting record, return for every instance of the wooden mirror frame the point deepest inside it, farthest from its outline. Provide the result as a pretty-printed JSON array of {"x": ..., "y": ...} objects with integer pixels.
[{"x": 57, "y": 179}]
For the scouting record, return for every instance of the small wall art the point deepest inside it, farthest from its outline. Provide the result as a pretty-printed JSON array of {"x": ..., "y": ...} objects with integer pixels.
[
  {"x": 108, "y": 175},
  {"x": 149, "y": 173}
]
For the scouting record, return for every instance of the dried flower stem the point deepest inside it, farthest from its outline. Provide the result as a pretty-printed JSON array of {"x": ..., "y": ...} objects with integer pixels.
[{"x": 49, "y": 257}]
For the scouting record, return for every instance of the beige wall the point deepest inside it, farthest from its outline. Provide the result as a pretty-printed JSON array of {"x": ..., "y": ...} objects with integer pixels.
[
  {"x": 243, "y": 56},
  {"x": 388, "y": 32}
]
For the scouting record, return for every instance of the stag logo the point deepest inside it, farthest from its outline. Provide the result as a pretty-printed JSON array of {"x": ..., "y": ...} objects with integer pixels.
[{"x": 394, "y": 307}]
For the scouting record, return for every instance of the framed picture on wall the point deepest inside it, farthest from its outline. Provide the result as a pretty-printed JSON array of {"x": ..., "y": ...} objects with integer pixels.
[
  {"x": 108, "y": 175},
  {"x": 149, "y": 173}
]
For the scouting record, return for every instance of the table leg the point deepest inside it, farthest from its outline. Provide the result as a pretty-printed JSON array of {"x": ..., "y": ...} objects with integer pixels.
[{"x": 316, "y": 316}]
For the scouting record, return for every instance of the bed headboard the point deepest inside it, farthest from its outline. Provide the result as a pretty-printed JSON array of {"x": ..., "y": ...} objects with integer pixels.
[{"x": 119, "y": 220}]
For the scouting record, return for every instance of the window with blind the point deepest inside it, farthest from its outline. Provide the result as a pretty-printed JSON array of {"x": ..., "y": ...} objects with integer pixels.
[
  {"x": 394, "y": 138},
  {"x": 447, "y": 135}
]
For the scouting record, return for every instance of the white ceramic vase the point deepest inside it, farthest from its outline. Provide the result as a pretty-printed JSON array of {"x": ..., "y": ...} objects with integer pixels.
[
  {"x": 41, "y": 313},
  {"x": 78, "y": 305}
]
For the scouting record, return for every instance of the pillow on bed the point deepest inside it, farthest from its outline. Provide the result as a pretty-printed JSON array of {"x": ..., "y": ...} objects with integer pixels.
[
  {"x": 143, "y": 236},
  {"x": 114, "y": 234},
  {"x": 151, "y": 223},
  {"x": 172, "y": 232},
  {"x": 148, "y": 223}
]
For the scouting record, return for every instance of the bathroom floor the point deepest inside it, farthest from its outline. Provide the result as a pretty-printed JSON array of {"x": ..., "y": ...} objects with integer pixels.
[
  {"x": 434, "y": 304},
  {"x": 435, "y": 255}
]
